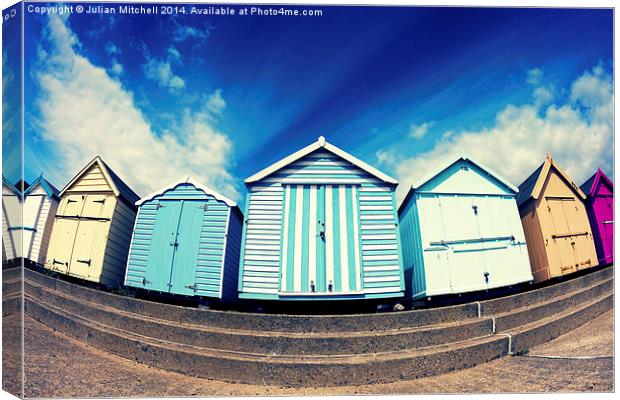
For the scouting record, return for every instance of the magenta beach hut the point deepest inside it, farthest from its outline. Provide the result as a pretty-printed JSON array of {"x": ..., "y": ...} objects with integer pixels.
[{"x": 599, "y": 190}]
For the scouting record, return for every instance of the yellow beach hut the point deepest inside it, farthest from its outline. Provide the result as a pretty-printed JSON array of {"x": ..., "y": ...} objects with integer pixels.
[
  {"x": 555, "y": 222},
  {"x": 92, "y": 228}
]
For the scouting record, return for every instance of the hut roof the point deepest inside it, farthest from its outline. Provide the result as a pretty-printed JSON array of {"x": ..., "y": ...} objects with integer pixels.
[
  {"x": 533, "y": 184},
  {"x": 589, "y": 186},
  {"x": 9, "y": 185},
  {"x": 321, "y": 143},
  {"x": 119, "y": 187},
  {"x": 50, "y": 189},
  {"x": 189, "y": 180}
]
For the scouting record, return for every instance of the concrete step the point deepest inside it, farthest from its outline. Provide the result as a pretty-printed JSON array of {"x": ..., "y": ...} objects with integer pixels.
[
  {"x": 546, "y": 291},
  {"x": 544, "y": 309},
  {"x": 322, "y": 370},
  {"x": 544, "y": 330},
  {"x": 323, "y": 324},
  {"x": 261, "y": 322},
  {"x": 318, "y": 370},
  {"x": 266, "y": 342}
]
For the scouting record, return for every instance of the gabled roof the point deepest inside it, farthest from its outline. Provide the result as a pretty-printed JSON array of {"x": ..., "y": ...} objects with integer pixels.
[
  {"x": 119, "y": 187},
  {"x": 533, "y": 185},
  {"x": 189, "y": 180},
  {"x": 589, "y": 187},
  {"x": 321, "y": 143},
  {"x": 463, "y": 157},
  {"x": 50, "y": 189},
  {"x": 10, "y": 185}
]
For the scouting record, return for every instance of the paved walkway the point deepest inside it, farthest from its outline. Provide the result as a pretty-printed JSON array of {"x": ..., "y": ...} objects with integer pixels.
[{"x": 58, "y": 366}]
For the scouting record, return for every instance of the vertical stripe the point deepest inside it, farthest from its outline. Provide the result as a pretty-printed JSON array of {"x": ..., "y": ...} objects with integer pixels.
[
  {"x": 312, "y": 238},
  {"x": 329, "y": 236},
  {"x": 291, "y": 239},
  {"x": 335, "y": 229},
  {"x": 284, "y": 264},
  {"x": 344, "y": 237},
  {"x": 352, "y": 237},
  {"x": 305, "y": 235},
  {"x": 320, "y": 248},
  {"x": 299, "y": 214},
  {"x": 356, "y": 240}
]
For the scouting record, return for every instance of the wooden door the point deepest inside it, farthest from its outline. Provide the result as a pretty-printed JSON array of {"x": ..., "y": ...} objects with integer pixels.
[{"x": 321, "y": 246}]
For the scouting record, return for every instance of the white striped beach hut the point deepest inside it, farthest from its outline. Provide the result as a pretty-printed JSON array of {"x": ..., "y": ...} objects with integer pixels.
[{"x": 320, "y": 224}]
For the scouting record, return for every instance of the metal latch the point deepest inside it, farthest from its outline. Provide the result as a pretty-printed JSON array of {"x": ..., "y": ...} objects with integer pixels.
[
  {"x": 486, "y": 277},
  {"x": 99, "y": 201},
  {"x": 175, "y": 243},
  {"x": 87, "y": 262},
  {"x": 144, "y": 281},
  {"x": 192, "y": 286},
  {"x": 312, "y": 287},
  {"x": 55, "y": 261},
  {"x": 330, "y": 286}
]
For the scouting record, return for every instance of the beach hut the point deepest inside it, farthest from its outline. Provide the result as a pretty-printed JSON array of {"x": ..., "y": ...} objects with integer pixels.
[
  {"x": 186, "y": 241},
  {"x": 39, "y": 208},
  {"x": 11, "y": 221},
  {"x": 461, "y": 232},
  {"x": 599, "y": 191},
  {"x": 92, "y": 228},
  {"x": 555, "y": 222},
  {"x": 320, "y": 224}
]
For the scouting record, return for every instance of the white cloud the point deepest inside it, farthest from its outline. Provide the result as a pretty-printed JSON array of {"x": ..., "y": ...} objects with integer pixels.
[
  {"x": 160, "y": 71},
  {"x": 388, "y": 157},
  {"x": 173, "y": 54},
  {"x": 534, "y": 76},
  {"x": 116, "y": 68},
  {"x": 578, "y": 133},
  {"x": 86, "y": 112},
  {"x": 543, "y": 96},
  {"x": 418, "y": 131},
  {"x": 216, "y": 103},
  {"x": 111, "y": 49},
  {"x": 184, "y": 32}
]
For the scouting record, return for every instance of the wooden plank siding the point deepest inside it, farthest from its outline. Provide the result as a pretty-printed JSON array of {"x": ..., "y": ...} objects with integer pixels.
[
  {"x": 376, "y": 224},
  {"x": 11, "y": 217},
  {"x": 92, "y": 227},
  {"x": 39, "y": 212},
  {"x": 216, "y": 249}
]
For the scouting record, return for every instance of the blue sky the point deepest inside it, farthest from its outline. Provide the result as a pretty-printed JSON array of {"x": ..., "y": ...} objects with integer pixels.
[{"x": 220, "y": 98}]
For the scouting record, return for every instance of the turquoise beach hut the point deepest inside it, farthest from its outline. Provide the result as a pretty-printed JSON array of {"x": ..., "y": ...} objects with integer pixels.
[
  {"x": 320, "y": 225},
  {"x": 462, "y": 232},
  {"x": 186, "y": 241}
]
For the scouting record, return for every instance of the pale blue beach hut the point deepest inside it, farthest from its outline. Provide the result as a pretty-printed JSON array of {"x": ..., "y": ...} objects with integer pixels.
[
  {"x": 461, "y": 232},
  {"x": 186, "y": 241}
]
